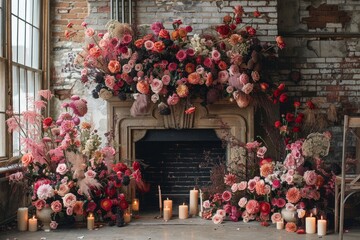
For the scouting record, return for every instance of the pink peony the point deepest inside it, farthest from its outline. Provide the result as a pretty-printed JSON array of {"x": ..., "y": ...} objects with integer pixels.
[
  {"x": 45, "y": 191},
  {"x": 252, "y": 207},
  {"x": 293, "y": 195}
]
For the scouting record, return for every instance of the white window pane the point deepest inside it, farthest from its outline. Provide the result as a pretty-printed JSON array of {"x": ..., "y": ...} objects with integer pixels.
[
  {"x": 29, "y": 11},
  {"x": 37, "y": 84},
  {"x": 31, "y": 84},
  {"x": 22, "y": 7},
  {"x": 14, "y": 36},
  {"x": 36, "y": 20},
  {"x": 2, "y": 88},
  {"x": 14, "y": 7},
  {"x": 28, "y": 44},
  {"x": 16, "y": 144},
  {"x": 2, "y": 135},
  {"x": 21, "y": 42},
  {"x": 36, "y": 50},
  {"x": 15, "y": 90},
  {"x": 23, "y": 91}
]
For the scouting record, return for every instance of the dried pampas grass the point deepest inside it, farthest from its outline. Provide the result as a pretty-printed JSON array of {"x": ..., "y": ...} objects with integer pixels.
[
  {"x": 118, "y": 30},
  {"x": 332, "y": 114}
]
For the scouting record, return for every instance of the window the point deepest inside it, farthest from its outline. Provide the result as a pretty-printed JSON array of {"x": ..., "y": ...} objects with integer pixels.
[
  {"x": 22, "y": 25},
  {"x": 123, "y": 10}
]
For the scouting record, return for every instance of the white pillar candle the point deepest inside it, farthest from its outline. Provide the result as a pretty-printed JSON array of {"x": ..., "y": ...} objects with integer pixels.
[
  {"x": 310, "y": 224},
  {"x": 135, "y": 204},
  {"x": 280, "y": 225},
  {"x": 183, "y": 211},
  {"x": 127, "y": 217},
  {"x": 33, "y": 225},
  {"x": 22, "y": 218},
  {"x": 194, "y": 195},
  {"x": 167, "y": 213},
  {"x": 169, "y": 204},
  {"x": 321, "y": 227},
  {"x": 90, "y": 222}
]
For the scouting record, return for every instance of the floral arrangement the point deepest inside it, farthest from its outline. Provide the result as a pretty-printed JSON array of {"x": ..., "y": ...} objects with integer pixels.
[
  {"x": 300, "y": 183},
  {"x": 169, "y": 66},
  {"x": 65, "y": 165}
]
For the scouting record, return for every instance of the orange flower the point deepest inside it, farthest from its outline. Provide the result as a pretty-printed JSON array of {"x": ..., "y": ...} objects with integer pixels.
[
  {"x": 293, "y": 195},
  {"x": 182, "y": 32},
  {"x": 85, "y": 125},
  {"x": 159, "y": 46},
  {"x": 26, "y": 159},
  {"x": 290, "y": 227},
  {"x": 182, "y": 90},
  {"x": 266, "y": 169},
  {"x": 95, "y": 52},
  {"x": 139, "y": 43},
  {"x": 106, "y": 204},
  {"x": 114, "y": 66},
  {"x": 189, "y": 68},
  {"x": 209, "y": 80},
  {"x": 78, "y": 208},
  {"x": 319, "y": 181},
  {"x": 260, "y": 188},
  {"x": 222, "y": 65},
  {"x": 190, "y": 110},
  {"x": 143, "y": 87},
  {"x": 227, "y": 19},
  {"x": 175, "y": 34},
  {"x": 264, "y": 86},
  {"x": 164, "y": 34},
  {"x": 235, "y": 39},
  {"x": 194, "y": 78}
]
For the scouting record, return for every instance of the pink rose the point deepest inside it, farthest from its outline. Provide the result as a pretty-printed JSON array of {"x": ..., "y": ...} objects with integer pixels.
[
  {"x": 208, "y": 62},
  {"x": 90, "y": 174},
  {"x": 242, "y": 185},
  {"x": 255, "y": 76},
  {"x": 215, "y": 55},
  {"x": 126, "y": 39},
  {"x": 217, "y": 219},
  {"x": 156, "y": 27},
  {"x": 69, "y": 200},
  {"x": 63, "y": 189},
  {"x": 233, "y": 69},
  {"x": 166, "y": 79},
  {"x": 227, "y": 208},
  {"x": 261, "y": 152},
  {"x": 53, "y": 225},
  {"x": 172, "y": 66},
  {"x": 56, "y": 206},
  {"x": 206, "y": 204},
  {"x": 252, "y": 207},
  {"x": 89, "y": 32},
  {"x": 247, "y": 88},
  {"x": 280, "y": 202},
  {"x": 156, "y": 85},
  {"x": 223, "y": 76},
  {"x": 276, "y": 217},
  {"x": 126, "y": 68},
  {"x": 276, "y": 183},
  {"x": 221, "y": 212},
  {"x": 234, "y": 187},
  {"x": 252, "y": 145},
  {"x": 173, "y": 99},
  {"x": 61, "y": 168},
  {"x": 181, "y": 55},
  {"x": 149, "y": 45},
  {"x": 251, "y": 185},
  {"x": 39, "y": 204},
  {"x": 69, "y": 211},
  {"x": 244, "y": 78},
  {"x": 138, "y": 67},
  {"x": 310, "y": 177},
  {"x": 242, "y": 202},
  {"x": 226, "y": 196}
]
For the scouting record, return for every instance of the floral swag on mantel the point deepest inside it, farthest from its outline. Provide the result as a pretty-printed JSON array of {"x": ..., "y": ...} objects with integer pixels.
[{"x": 167, "y": 67}]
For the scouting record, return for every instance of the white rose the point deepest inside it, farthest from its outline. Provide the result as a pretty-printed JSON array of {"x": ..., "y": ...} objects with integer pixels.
[{"x": 61, "y": 168}]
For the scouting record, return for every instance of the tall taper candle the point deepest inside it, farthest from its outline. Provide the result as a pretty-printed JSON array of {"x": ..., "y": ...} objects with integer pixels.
[
  {"x": 160, "y": 200},
  {"x": 201, "y": 204}
]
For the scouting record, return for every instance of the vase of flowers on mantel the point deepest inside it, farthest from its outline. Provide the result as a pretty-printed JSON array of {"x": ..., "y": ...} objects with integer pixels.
[
  {"x": 288, "y": 215},
  {"x": 44, "y": 215}
]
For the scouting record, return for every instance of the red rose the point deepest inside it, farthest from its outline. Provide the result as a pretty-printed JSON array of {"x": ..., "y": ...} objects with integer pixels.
[
  {"x": 47, "y": 121},
  {"x": 106, "y": 204},
  {"x": 123, "y": 204},
  {"x": 264, "y": 161},
  {"x": 289, "y": 117},
  {"x": 277, "y": 124},
  {"x": 136, "y": 165},
  {"x": 298, "y": 119},
  {"x": 188, "y": 29},
  {"x": 296, "y": 129},
  {"x": 281, "y": 86},
  {"x": 128, "y": 172},
  {"x": 277, "y": 93},
  {"x": 232, "y": 26},
  {"x": 297, "y": 104},
  {"x": 283, "y": 97},
  {"x": 91, "y": 206},
  {"x": 110, "y": 191},
  {"x": 250, "y": 30},
  {"x": 223, "y": 30},
  {"x": 119, "y": 167},
  {"x": 238, "y": 20},
  {"x": 310, "y": 104}
]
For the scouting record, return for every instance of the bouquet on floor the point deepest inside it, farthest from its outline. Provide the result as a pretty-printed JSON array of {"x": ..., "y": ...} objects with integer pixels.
[{"x": 65, "y": 164}]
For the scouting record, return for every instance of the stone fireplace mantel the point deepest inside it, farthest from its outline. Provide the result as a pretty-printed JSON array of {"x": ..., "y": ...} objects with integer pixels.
[{"x": 222, "y": 116}]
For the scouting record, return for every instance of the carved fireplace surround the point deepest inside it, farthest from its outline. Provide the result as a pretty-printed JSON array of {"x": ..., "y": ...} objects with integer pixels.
[{"x": 128, "y": 130}]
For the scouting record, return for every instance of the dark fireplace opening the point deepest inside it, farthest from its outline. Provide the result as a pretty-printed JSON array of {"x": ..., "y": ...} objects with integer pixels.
[{"x": 177, "y": 161}]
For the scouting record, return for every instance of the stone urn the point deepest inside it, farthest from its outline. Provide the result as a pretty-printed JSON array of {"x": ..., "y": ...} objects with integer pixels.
[
  {"x": 289, "y": 215},
  {"x": 44, "y": 215},
  {"x": 241, "y": 99}
]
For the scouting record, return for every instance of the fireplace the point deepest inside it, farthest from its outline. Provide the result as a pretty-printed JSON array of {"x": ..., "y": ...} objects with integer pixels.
[{"x": 216, "y": 121}]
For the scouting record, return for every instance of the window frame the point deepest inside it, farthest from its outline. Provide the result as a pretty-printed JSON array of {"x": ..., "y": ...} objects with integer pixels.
[{"x": 7, "y": 58}]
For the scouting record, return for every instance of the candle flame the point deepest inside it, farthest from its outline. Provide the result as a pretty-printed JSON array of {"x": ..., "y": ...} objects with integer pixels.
[
  {"x": 183, "y": 203},
  {"x": 90, "y": 215},
  {"x": 33, "y": 217},
  {"x": 322, "y": 217},
  {"x": 311, "y": 215}
]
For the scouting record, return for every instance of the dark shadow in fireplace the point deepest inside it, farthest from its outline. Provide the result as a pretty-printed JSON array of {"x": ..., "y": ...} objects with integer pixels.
[{"x": 178, "y": 161}]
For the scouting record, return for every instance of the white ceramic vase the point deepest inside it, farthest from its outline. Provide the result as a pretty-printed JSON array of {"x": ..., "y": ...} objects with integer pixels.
[
  {"x": 44, "y": 215},
  {"x": 288, "y": 215}
]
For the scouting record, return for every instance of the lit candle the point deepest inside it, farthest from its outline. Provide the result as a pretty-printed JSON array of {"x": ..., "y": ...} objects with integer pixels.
[
  {"x": 194, "y": 195},
  {"x": 90, "y": 221},
  {"x": 22, "y": 218},
  {"x": 321, "y": 227},
  {"x": 127, "y": 217},
  {"x": 280, "y": 224},
  {"x": 167, "y": 213},
  {"x": 310, "y": 224},
  {"x": 183, "y": 211},
  {"x": 201, "y": 204},
  {"x": 33, "y": 226},
  {"x": 169, "y": 204},
  {"x": 135, "y": 204}
]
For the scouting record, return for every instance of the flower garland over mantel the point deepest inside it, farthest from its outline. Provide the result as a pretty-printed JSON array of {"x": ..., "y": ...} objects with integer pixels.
[{"x": 166, "y": 67}]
